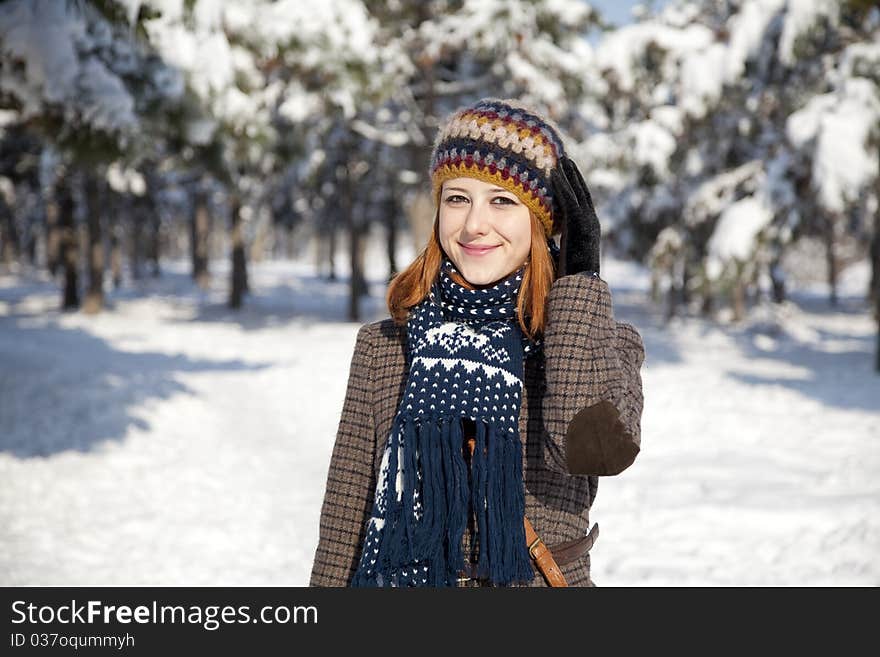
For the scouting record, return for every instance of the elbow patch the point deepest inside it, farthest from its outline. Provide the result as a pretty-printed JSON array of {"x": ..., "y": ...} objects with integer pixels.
[{"x": 597, "y": 442}]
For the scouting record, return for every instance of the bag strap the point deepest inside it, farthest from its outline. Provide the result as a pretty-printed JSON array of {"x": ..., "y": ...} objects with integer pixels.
[
  {"x": 543, "y": 557},
  {"x": 538, "y": 551}
]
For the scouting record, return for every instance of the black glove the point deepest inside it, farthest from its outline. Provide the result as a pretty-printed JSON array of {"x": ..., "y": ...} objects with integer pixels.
[{"x": 574, "y": 213}]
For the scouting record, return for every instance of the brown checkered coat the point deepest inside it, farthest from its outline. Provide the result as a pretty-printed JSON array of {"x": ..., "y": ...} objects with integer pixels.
[{"x": 580, "y": 418}]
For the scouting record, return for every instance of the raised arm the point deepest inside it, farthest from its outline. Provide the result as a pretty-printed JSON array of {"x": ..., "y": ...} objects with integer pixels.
[
  {"x": 351, "y": 482},
  {"x": 593, "y": 397}
]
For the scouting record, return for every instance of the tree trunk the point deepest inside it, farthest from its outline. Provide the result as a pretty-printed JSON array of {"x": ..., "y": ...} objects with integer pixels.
[
  {"x": 200, "y": 231},
  {"x": 685, "y": 276},
  {"x": 154, "y": 222},
  {"x": 265, "y": 233},
  {"x": 354, "y": 306},
  {"x": 94, "y": 301},
  {"x": 877, "y": 355},
  {"x": 655, "y": 287},
  {"x": 116, "y": 253},
  {"x": 137, "y": 214},
  {"x": 874, "y": 255},
  {"x": 361, "y": 288},
  {"x": 706, "y": 305},
  {"x": 31, "y": 243},
  {"x": 753, "y": 288},
  {"x": 331, "y": 247},
  {"x": 68, "y": 248},
  {"x": 355, "y": 281},
  {"x": 671, "y": 293},
  {"x": 10, "y": 246},
  {"x": 831, "y": 257},
  {"x": 239, "y": 263},
  {"x": 739, "y": 301},
  {"x": 707, "y": 301},
  {"x": 875, "y": 272},
  {"x": 391, "y": 226},
  {"x": 739, "y": 294},
  {"x": 53, "y": 237},
  {"x": 777, "y": 279},
  {"x": 117, "y": 233},
  {"x": 875, "y": 284},
  {"x": 288, "y": 242}
]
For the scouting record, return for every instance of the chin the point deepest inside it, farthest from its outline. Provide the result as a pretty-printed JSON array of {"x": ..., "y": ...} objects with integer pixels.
[{"x": 480, "y": 275}]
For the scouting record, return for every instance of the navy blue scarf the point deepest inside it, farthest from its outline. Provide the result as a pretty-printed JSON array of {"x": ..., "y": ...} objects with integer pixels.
[{"x": 466, "y": 359}]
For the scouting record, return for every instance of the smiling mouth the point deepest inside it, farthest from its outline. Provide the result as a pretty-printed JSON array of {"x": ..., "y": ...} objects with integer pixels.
[{"x": 477, "y": 250}]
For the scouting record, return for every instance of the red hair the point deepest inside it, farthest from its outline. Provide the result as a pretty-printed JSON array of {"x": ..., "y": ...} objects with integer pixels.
[{"x": 412, "y": 285}]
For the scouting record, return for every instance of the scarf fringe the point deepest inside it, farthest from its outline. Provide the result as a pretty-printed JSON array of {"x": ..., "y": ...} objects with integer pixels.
[{"x": 426, "y": 525}]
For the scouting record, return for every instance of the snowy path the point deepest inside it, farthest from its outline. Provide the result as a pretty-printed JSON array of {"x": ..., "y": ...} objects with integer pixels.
[{"x": 172, "y": 442}]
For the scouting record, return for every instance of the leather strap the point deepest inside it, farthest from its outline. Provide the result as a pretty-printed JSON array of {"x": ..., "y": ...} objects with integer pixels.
[
  {"x": 543, "y": 557},
  {"x": 563, "y": 553},
  {"x": 569, "y": 551},
  {"x": 547, "y": 560}
]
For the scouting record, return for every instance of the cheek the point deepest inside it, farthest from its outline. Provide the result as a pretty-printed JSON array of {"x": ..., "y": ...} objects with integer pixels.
[
  {"x": 445, "y": 225},
  {"x": 519, "y": 232},
  {"x": 447, "y": 228}
]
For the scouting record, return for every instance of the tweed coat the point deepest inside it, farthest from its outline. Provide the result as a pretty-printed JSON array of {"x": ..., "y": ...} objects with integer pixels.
[{"x": 580, "y": 418}]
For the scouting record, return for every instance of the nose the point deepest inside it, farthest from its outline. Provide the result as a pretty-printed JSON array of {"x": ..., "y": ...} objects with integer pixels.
[{"x": 477, "y": 220}]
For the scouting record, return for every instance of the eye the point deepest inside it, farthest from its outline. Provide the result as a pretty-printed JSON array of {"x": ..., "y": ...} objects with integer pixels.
[
  {"x": 455, "y": 198},
  {"x": 505, "y": 200}
]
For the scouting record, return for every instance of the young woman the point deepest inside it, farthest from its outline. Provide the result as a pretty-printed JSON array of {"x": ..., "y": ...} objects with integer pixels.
[{"x": 479, "y": 416}]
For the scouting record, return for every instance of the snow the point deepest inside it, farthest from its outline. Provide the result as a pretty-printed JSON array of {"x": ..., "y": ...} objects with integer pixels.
[
  {"x": 220, "y": 48},
  {"x": 714, "y": 195},
  {"x": 668, "y": 117},
  {"x": 747, "y": 29},
  {"x": 65, "y": 60},
  {"x": 844, "y": 164},
  {"x": 701, "y": 85},
  {"x": 653, "y": 145},
  {"x": 42, "y": 35},
  {"x": 111, "y": 105},
  {"x": 567, "y": 13},
  {"x": 842, "y": 123},
  {"x": 801, "y": 16},
  {"x": 170, "y": 441},
  {"x": 802, "y": 125},
  {"x": 534, "y": 78},
  {"x": 126, "y": 180},
  {"x": 736, "y": 232},
  {"x": 860, "y": 59},
  {"x": 621, "y": 49}
]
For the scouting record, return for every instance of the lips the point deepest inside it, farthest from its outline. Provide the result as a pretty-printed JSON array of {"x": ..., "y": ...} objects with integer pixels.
[{"x": 477, "y": 249}]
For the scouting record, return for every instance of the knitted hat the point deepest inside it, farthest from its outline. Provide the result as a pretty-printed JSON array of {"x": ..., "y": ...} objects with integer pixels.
[{"x": 503, "y": 142}]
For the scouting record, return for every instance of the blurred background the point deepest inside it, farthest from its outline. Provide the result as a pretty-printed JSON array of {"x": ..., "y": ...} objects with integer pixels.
[{"x": 202, "y": 201}]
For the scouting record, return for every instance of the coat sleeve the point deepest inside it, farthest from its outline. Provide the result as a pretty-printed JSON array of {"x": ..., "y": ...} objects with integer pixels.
[
  {"x": 592, "y": 403},
  {"x": 348, "y": 498}
]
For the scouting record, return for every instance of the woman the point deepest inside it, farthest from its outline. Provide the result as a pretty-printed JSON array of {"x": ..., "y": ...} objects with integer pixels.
[{"x": 501, "y": 387}]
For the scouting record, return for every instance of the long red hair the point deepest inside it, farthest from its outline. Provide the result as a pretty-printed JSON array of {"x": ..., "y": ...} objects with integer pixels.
[{"x": 412, "y": 285}]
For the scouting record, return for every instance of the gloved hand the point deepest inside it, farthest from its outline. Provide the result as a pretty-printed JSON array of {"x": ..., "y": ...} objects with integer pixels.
[{"x": 573, "y": 211}]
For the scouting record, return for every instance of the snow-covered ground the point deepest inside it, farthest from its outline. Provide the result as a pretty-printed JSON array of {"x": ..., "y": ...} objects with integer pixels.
[{"x": 170, "y": 441}]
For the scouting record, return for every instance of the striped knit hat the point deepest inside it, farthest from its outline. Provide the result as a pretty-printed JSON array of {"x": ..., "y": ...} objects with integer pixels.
[{"x": 502, "y": 142}]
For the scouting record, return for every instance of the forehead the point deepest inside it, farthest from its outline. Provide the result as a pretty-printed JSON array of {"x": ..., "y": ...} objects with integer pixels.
[{"x": 474, "y": 185}]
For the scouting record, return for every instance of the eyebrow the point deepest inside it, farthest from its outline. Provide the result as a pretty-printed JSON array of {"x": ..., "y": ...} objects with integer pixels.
[{"x": 494, "y": 189}]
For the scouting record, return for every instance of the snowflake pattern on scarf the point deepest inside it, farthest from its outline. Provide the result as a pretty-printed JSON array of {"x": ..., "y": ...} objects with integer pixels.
[{"x": 466, "y": 357}]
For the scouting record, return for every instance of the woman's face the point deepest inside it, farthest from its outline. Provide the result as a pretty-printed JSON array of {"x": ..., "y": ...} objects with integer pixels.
[{"x": 485, "y": 230}]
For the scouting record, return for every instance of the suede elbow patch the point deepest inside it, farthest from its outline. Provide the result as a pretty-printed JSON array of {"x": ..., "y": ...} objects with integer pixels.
[{"x": 597, "y": 442}]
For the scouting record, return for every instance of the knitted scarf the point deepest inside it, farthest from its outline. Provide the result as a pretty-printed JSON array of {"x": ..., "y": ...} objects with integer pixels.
[{"x": 466, "y": 358}]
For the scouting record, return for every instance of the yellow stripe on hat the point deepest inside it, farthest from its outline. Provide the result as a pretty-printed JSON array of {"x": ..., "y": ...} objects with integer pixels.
[{"x": 527, "y": 196}]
